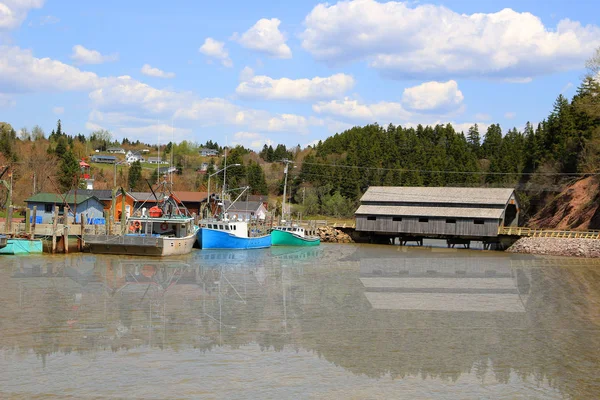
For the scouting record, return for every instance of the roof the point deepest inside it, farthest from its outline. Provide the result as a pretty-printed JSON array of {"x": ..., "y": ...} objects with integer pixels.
[
  {"x": 154, "y": 159},
  {"x": 103, "y": 156},
  {"x": 190, "y": 196},
  {"x": 98, "y": 193},
  {"x": 54, "y": 198},
  {"x": 207, "y": 149},
  {"x": 442, "y": 212},
  {"x": 143, "y": 196},
  {"x": 451, "y": 195},
  {"x": 114, "y": 148},
  {"x": 243, "y": 206}
]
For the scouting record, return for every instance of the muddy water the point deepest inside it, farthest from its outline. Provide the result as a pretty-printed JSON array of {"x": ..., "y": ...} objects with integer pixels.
[{"x": 339, "y": 321}]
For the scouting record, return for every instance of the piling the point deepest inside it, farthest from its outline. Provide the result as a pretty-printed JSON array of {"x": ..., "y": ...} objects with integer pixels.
[
  {"x": 28, "y": 222},
  {"x": 33, "y": 218},
  {"x": 54, "y": 227},
  {"x": 122, "y": 212},
  {"x": 65, "y": 236},
  {"x": 9, "y": 214},
  {"x": 80, "y": 237}
]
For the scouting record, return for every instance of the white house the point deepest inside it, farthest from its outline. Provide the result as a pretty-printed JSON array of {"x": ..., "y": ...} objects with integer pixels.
[
  {"x": 133, "y": 156},
  {"x": 205, "y": 152},
  {"x": 115, "y": 150},
  {"x": 156, "y": 160}
]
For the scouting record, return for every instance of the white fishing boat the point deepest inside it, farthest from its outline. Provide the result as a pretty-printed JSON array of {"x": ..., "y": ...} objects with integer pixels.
[{"x": 164, "y": 230}]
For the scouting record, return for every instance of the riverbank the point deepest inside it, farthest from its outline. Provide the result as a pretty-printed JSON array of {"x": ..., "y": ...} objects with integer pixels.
[{"x": 586, "y": 248}]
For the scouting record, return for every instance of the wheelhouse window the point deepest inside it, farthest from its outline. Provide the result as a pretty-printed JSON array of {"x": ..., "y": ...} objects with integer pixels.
[
  {"x": 423, "y": 219},
  {"x": 478, "y": 222},
  {"x": 371, "y": 218}
]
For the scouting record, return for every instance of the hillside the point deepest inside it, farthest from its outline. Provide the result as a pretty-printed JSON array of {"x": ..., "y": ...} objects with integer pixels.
[{"x": 576, "y": 207}]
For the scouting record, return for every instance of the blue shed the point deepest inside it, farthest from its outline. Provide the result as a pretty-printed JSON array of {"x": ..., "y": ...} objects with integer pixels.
[{"x": 90, "y": 206}]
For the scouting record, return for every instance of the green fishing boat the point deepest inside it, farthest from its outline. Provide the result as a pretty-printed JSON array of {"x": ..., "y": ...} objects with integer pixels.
[
  {"x": 22, "y": 246},
  {"x": 292, "y": 236}
]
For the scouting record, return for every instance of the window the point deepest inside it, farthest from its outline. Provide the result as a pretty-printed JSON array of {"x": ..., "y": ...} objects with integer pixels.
[
  {"x": 423, "y": 219},
  {"x": 234, "y": 227},
  {"x": 48, "y": 208},
  {"x": 397, "y": 219},
  {"x": 450, "y": 220},
  {"x": 371, "y": 218},
  {"x": 221, "y": 227},
  {"x": 478, "y": 222},
  {"x": 226, "y": 227}
]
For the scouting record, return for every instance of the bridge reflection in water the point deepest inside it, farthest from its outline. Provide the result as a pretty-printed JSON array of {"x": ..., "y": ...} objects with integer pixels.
[{"x": 529, "y": 326}]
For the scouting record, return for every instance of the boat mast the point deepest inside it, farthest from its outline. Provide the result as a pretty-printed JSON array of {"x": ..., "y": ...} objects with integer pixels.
[{"x": 224, "y": 179}]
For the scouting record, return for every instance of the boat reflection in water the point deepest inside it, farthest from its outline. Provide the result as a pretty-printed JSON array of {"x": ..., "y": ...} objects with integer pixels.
[{"x": 399, "y": 324}]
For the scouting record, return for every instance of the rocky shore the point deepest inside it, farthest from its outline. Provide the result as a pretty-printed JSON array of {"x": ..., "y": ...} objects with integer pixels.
[
  {"x": 587, "y": 248},
  {"x": 332, "y": 235}
]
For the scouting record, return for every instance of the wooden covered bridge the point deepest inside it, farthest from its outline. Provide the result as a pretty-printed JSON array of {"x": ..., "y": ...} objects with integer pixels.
[{"x": 459, "y": 215}]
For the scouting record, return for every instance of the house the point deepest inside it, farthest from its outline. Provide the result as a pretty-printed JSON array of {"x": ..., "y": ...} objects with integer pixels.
[
  {"x": 90, "y": 206},
  {"x": 133, "y": 156},
  {"x": 105, "y": 197},
  {"x": 203, "y": 167},
  {"x": 145, "y": 151},
  {"x": 205, "y": 152},
  {"x": 263, "y": 198},
  {"x": 156, "y": 160},
  {"x": 191, "y": 200},
  {"x": 115, "y": 150},
  {"x": 166, "y": 170},
  {"x": 442, "y": 212},
  {"x": 245, "y": 210},
  {"x": 103, "y": 159}
]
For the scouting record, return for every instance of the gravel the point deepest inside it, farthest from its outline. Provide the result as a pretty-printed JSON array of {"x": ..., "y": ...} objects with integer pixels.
[{"x": 586, "y": 248}]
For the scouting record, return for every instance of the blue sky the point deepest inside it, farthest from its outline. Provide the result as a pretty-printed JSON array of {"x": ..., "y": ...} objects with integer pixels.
[{"x": 289, "y": 72}]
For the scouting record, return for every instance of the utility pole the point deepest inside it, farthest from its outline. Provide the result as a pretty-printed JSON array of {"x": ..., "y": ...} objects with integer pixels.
[{"x": 285, "y": 171}]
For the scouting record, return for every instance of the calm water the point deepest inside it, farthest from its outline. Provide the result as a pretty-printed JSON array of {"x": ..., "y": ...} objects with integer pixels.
[{"x": 339, "y": 321}]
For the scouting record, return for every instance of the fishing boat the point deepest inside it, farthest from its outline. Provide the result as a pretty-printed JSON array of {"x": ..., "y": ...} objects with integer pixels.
[
  {"x": 13, "y": 245},
  {"x": 165, "y": 230},
  {"x": 292, "y": 236},
  {"x": 224, "y": 234}
]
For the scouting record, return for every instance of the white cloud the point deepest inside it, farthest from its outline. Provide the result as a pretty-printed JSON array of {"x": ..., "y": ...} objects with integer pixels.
[
  {"x": 49, "y": 20},
  {"x": 510, "y": 115},
  {"x": 251, "y": 140},
  {"x": 266, "y": 38},
  {"x": 153, "y": 132},
  {"x": 566, "y": 88},
  {"x": 6, "y": 101},
  {"x": 433, "y": 97},
  {"x": 215, "y": 49},
  {"x": 81, "y": 55},
  {"x": 265, "y": 87},
  {"x": 353, "y": 109},
  {"x": 434, "y": 42},
  {"x": 22, "y": 72},
  {"x": 58, "y": 110},
  {"x": 14, "y": 12},
  {"x": 157, "y": 73},
  {"x": 246, "y": 74},
  {"x": 483, "y": 117}
]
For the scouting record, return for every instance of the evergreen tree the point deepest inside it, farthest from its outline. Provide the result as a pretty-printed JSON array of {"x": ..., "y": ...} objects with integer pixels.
[
  {"x": 69, "y": 171},
  {"x": 135, "y": 176},
  {"x": 474, "y": 140},
  {"x": 256, "y": 179}
]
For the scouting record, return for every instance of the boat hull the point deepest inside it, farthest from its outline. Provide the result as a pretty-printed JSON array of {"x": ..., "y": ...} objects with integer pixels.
[
  {"x": 22, "y": 246},
  {"x": 282, "y": 238},
  {"x": 140, "y": 246},
  {"x": 215, "y": 239}
]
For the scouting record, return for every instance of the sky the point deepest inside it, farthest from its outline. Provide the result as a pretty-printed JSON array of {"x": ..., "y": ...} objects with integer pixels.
[{"x": 264, "y": 72}]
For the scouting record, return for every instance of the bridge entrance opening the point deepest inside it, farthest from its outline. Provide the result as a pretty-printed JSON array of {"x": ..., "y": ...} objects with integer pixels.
[{"x": 510, "y": 215}]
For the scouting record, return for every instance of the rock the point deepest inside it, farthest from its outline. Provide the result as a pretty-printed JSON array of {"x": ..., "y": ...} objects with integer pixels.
[{"x": 589, "y": 248}]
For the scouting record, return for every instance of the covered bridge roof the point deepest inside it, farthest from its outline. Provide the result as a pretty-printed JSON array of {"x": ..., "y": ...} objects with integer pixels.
[{"x": 449, "y": 195}]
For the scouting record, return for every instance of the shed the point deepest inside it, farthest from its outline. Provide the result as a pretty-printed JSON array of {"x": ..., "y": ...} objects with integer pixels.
[
  {"x": 191, "y": 200},
  {"x": 437, "y": 211},
  {"x": 246, "y": 210},
  {"x": 103, "y": 159},
  {"x": 90, "y": 206},
  {"x": 105, "y": 197}
]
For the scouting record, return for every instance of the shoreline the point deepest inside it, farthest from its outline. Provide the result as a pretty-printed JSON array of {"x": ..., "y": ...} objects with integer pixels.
[{"x": 582, "y": 248}]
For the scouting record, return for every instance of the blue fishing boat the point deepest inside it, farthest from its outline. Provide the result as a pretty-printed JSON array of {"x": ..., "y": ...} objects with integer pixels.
[{"x": 230, "y": 235}]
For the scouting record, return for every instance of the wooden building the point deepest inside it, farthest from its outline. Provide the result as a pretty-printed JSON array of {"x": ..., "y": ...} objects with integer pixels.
[
  {"x": 444, "y": 212},
  {"x": 105, "y": 196},
  {"x": 69, "y": 204}
]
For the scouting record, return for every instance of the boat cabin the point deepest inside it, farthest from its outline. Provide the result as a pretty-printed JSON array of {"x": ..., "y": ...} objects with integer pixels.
[
  {"x": 296, "y": 230},
  {"x": 237, "y": 228},
  {"x": 168, "y": 227}
]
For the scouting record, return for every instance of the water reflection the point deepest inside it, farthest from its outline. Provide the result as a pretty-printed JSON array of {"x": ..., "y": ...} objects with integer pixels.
[{"x": 376, "y": 313}]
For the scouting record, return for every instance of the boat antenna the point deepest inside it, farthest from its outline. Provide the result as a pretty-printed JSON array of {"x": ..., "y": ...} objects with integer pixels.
[{"x": 152, "y": 190}]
